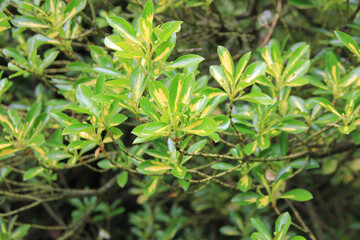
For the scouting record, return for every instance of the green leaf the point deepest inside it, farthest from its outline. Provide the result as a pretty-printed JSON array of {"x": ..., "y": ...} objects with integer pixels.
[
  {"x": 245, "y": 198},
  {"x": 202, "y": 127},
  {"x": 150, "y": 187},
  {"x": 100, "y": 83},
  {"x": 311, "y": 164},
  {"x": 179, "y": 171},
  {"x": 62, "y": 118},
  {"x": 283, "y": 173},
  {"x": 4, "y": 24},
  {"x": 84, "y": 95},
  {"x": 262, "y": 201},
  {"x": 222, "y": 166},
  {"x": 73, "y": 8},
  {"x": 244, "y": 184},
  {"x": 295, "y": 57},
  {"x": 163, "y": 51},
  {"x": 294, "y": 126},
  {"x": 122, "y": 178},
  {"x": 32, "y": 172},
  {"x": 79, "y": 66},
  {"x": 149, "y": 131},
  {"x": 33, "y": 113},
  {"x": 260, "y": 177},
  {"x": 160, "y": 94},
  {"x": 328, "y": 106},
  {"x": 226, "y": 60},
  {"x": 28, "y": 22},
  {"x": 76, "y": 128},
  {"x": 260, "y": 227},
  {"x": 253, "y": 71},
  {"x": 222, "y": 121},
  {"x": 180, "y": 91},
  {"x": 167, "y": 29},
  {"x": 298, "y": 238},
  {"x": 186, "y": 61},
  {"x": 149, "y": 109},
  {"x": 49, "y": 59},
  {"x": 282, "y": 226},
  {"x": 220, "y": 76},
  {"x": 20, "y": 232},
  {"x": 4, "y": 4},
  {"x": 299, "y": 70},
  {"x": 349, "y": 42},
  {"x": 148, "y": 12},
  {"x": 333, "y": 67},
  {"x": 257, "y": 97},
  {"x": 297, "y": 82},
  {"x": 117, "y": 119},
  {"x": 241, "y": 65},
  {"x": 137, "y": 82},
  {"x": 108, "y": 71},
  {"x": 302, "y": 3},
  {"x": 347, "y": 129},
  {"x": 298, "y": 103},
  {"x": 151, "y": 167},
  {"x": 300, "y": 195},
  {"x": 124, "y": 28},
  {"x": 145, "y": 28}
]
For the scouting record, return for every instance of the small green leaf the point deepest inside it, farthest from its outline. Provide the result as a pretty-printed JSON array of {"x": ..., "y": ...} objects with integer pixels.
[
  {"x": 310, "y": 164},
  {"x": 20, "y": 232},
  {"x": 282, "y": 226},
  {"x": 148, "y": 12},
  {"x": 253, "y": 71},
  {"x": 328, "y": 106},
  {"x": 186, "y": 61},
  {"x": 245, "y": 198},
  {"x": 73, "y": 8},
  {"x": 145, "y": 28},
  {"x": 178, "y": 171},
  {"x": 160, "y": 94},
  {"x": 137, "y": 82},
  {"x": 244, "y": 184},
  {"x": 28, "y": 22},
  {"x": 260, "y": 227},
  {"x": 4, "y": 24},
  {"x": 241, "y": 65},
  {"x": 349, "y": 42},
  {"x": 151, "y": 167},
  {"x": 149, "y": 109},
  {"x": 220, "y": 76},
  {"x": 150, "y": 187},
  {"x": 229, "y": 231},
  {"x": 168, "y": 29},
  {"x": 222, "y": 166},
  {"x": 226, "y": 60},
  {"x": 257, "y": 97},
  {"x": 76, "y": 128},
  {"x": 124, "y": 28},
  {"x": 149, "y": 131},
  {"x": 298, "y": 238},
  {"x": 294, "y": 126},
  {"x": 32, "y": 172},
  {"x": 263, "y": 201},
  {"x": 300, "y": 195},
  {"x": 122, "y": 178},
  {"x": 202, "y": 127}
]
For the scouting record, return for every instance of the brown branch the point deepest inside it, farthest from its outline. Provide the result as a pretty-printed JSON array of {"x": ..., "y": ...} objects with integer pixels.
[{"x": 273, "y": 24}]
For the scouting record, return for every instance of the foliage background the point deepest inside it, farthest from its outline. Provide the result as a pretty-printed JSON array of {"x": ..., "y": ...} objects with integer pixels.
[{"x": 91, "y": 205}]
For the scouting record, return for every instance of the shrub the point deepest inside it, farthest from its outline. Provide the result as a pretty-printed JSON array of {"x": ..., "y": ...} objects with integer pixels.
[{"x": 124, "y": 137}]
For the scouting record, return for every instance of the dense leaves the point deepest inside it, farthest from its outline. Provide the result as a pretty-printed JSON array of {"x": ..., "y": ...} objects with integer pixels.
[{"x": 179, "y": 119}]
